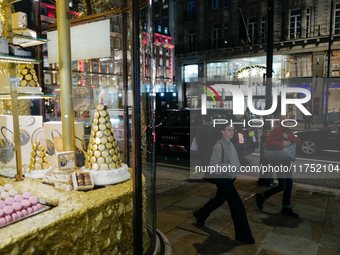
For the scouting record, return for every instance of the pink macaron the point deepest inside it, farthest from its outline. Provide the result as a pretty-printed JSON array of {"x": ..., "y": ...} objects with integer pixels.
[
  {"x": 10, "y": 200},
  {"x": 24, "y": 212},
  {"x": 34, "y": 200},
  {"x": 20, "y": 215},
  {"x": 30, "y": 210},
  {"x": 39, "y": 206},
  {"x": 8, "y": 218},
  {"x": 27, "y": 195},
  {"x": 3, "y": 221},
  {"x": 35, "y": 208},
  {"x": 2, "y": 204},
  {"x": 8, "y": 210},
  {"x": 17, "y": 206},
  {"x": 14, "y": 216},
  {"x": 1, "y": 213},
  {"x": 25, "y": 203},
  {"x": 19, "y": 198}
]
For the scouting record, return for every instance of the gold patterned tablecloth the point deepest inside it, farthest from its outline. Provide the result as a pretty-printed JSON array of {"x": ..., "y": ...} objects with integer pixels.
[{"x": 94, "y": 222}]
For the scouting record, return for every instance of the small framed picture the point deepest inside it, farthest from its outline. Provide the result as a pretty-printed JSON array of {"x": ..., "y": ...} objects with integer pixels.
[
  {"x": 48, "y": 78},
  {"x": 66, "y": 160}
]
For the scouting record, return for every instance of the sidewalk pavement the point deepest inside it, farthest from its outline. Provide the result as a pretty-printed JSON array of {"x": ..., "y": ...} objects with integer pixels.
[{"x": 317, "y": 231}]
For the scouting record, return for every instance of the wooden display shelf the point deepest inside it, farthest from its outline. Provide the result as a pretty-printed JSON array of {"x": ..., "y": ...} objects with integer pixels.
[{"x": 19, "y": 60}]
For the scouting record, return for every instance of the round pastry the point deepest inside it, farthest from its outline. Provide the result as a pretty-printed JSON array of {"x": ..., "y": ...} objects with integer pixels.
[
  {"x": 89, "y": 147},
  {"x": 94, "y": 147},
  {"x": 45, "y": 159},
  {"x": 101, "y": 160},
  {"x": 105, "y": 154},
  {"x": 99, "y": 134},
  {"x": 102, "y": 127},
  {"x": 104, "y": 167},
  {"x": 28, "y": 77},
  {"x": 95, "y": 128},
  {"x": 119, "y": 163},
  {"x": 31, "y": 166},
  {"x": 39, "y": 160},
  {"x": 37, "y": 167},
  {"x": 103, "y": 113},
  {"x": 46, "y": 165},
  {"x": 29, "y": 66},
  {"x": 32, "y": 71},
  {"x": 109, "y": 125},
  {"x": 22, "y": 66},
  {"x": 92, "y": 133},
  {"x": 114, "y": 144},
  {"x": 107, "y": 132},
  {"x": 96, "y": 115},
  {"x": 27, "y": 195},
  {"x": 108, "y": 146},
  {"x": 32, "y": 83},
  {"x": 97, "y": 154},
  {"x": 8, "y": 187},
  {"x": 102, "y": 120},
  {"x": 88, "y": 158},
  {"x": 97, "y": 141},
  {"x": 24, "y": 71},
  {"x": 107, "y": 118},
  {"x": 34, "y": 200},
  {"x": 108, "y": 160},
  {"x": 34, "y": 147},
  {"x": 87, "y": 165},
  {"x": 103, "y": 140},
  {"x": 91, "y": 141},
  {"x": 95, "y": 167},
  {"x": 112, "y": 152},
  {"x": 100, "y": 107},
  {"x": 23, "y": 83},
  {"x": 115, "y": 158},
  {"x": 12, "y": 192},
  {"x": 101, "y": 147},
  {"x": 112, "y": 166},
  {"x": 89, "y": 153},
  {"x": 19, "y": 198},
  {"x": 40, "y": 154},
  {"x": 2, "y": 189},
  {"x": 32, "y": 160},
  {"x": 33, "y": 154},
  {"x": 93, "y": 160},
  {"x": 117, "y": 150},
  {"x": 95, "y": 121},
  {"x": 110, "y": 138},
  {"x": 41, "y": 147},
  {"x": 35, "y": 78},
  {"x": 37, "y": 143}
]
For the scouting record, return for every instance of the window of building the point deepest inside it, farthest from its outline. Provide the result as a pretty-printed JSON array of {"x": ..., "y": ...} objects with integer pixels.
[
  {"x": 111, "y": 41},
  {"x": 191, "y": 10},
  {"x": 43, "y": 10},
  {"x": 191, "y": 40},
  {"x": 308, "y": 23},
  {"x": 117, "y": 43},
  {"x": 94, "y": 67},
  {"x": 116, "y": 29},
  {"x": 263, "y": 29},
  {"x": 167, "y": 52},
  {"x": 103, "y": 80},
  {"x": 167, "y": 62},
  {"x": 165, "y": 30},
  {"x": 190, "y": 73},
  {"x": 216, "y": 35},
  {"x": 165, "y": 6},
  {"x": 160, "y": 39},
  {"x": 252, "y": 29},
  {"x": 113, "y": 19},
  {"x": 144, "y": 26},
  {"x": 216, "y": 4},
  {"x": 337, "y": 19},
  {"x": 161, "y": 61},
  {"x": 225, "y": 3},
  {"x": 166, "y": 41},
  {"x": 111, "y": 68},
  {"x": 167, "y": 73},
  {"x": 160, "y": 51},
  {"x": 103, "y": 67},
  {"x": 295, "y": 24},
  {"x": 159, "y": 28}
]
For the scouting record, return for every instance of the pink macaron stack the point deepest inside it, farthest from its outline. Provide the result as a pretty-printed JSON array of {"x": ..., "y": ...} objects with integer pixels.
[{"x": 14, "y": 206}]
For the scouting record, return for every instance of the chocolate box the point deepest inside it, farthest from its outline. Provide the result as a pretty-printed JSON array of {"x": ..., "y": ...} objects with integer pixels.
[{"x": 76, "y": 184}]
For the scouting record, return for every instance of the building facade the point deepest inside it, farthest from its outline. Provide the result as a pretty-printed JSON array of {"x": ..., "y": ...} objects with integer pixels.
[{"x": 218, "y": 39}]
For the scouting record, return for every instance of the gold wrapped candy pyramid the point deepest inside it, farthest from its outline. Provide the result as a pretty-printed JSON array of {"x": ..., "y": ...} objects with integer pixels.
[
  {"x": 28, "y": 76},
  {"x": 103, "y": 152},
  {"x": 39, "y": 158}
]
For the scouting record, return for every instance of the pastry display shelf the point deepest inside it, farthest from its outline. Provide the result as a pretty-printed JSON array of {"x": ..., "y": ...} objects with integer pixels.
[
  {"x": 18, "y": 60},
  {"x": 27, "y": 41},
  {"x": 27, "y": 95}
]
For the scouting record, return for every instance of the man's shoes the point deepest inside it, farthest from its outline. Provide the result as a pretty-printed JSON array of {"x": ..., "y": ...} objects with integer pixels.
[
  {"x": 198, "y": 220},
  {"x": 246, "y": 240},
  {"x": 259, "y": 200},
  {"x": 289, "y": 212}
]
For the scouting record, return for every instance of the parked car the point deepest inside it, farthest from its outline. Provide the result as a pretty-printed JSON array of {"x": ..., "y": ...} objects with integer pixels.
[
  {"x": 316, "y": 140},
  {"x": 173, "y": 133}
]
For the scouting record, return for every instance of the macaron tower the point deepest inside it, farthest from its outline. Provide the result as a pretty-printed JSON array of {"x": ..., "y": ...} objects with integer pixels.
[
  {"x": 39, "y": 158},
  {"x": 103, "y": 152},
  {"x": 28, "y": 76}
]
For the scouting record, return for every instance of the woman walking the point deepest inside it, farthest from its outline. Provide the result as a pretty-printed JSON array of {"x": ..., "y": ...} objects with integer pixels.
[{"x": 278, "y": 138}]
